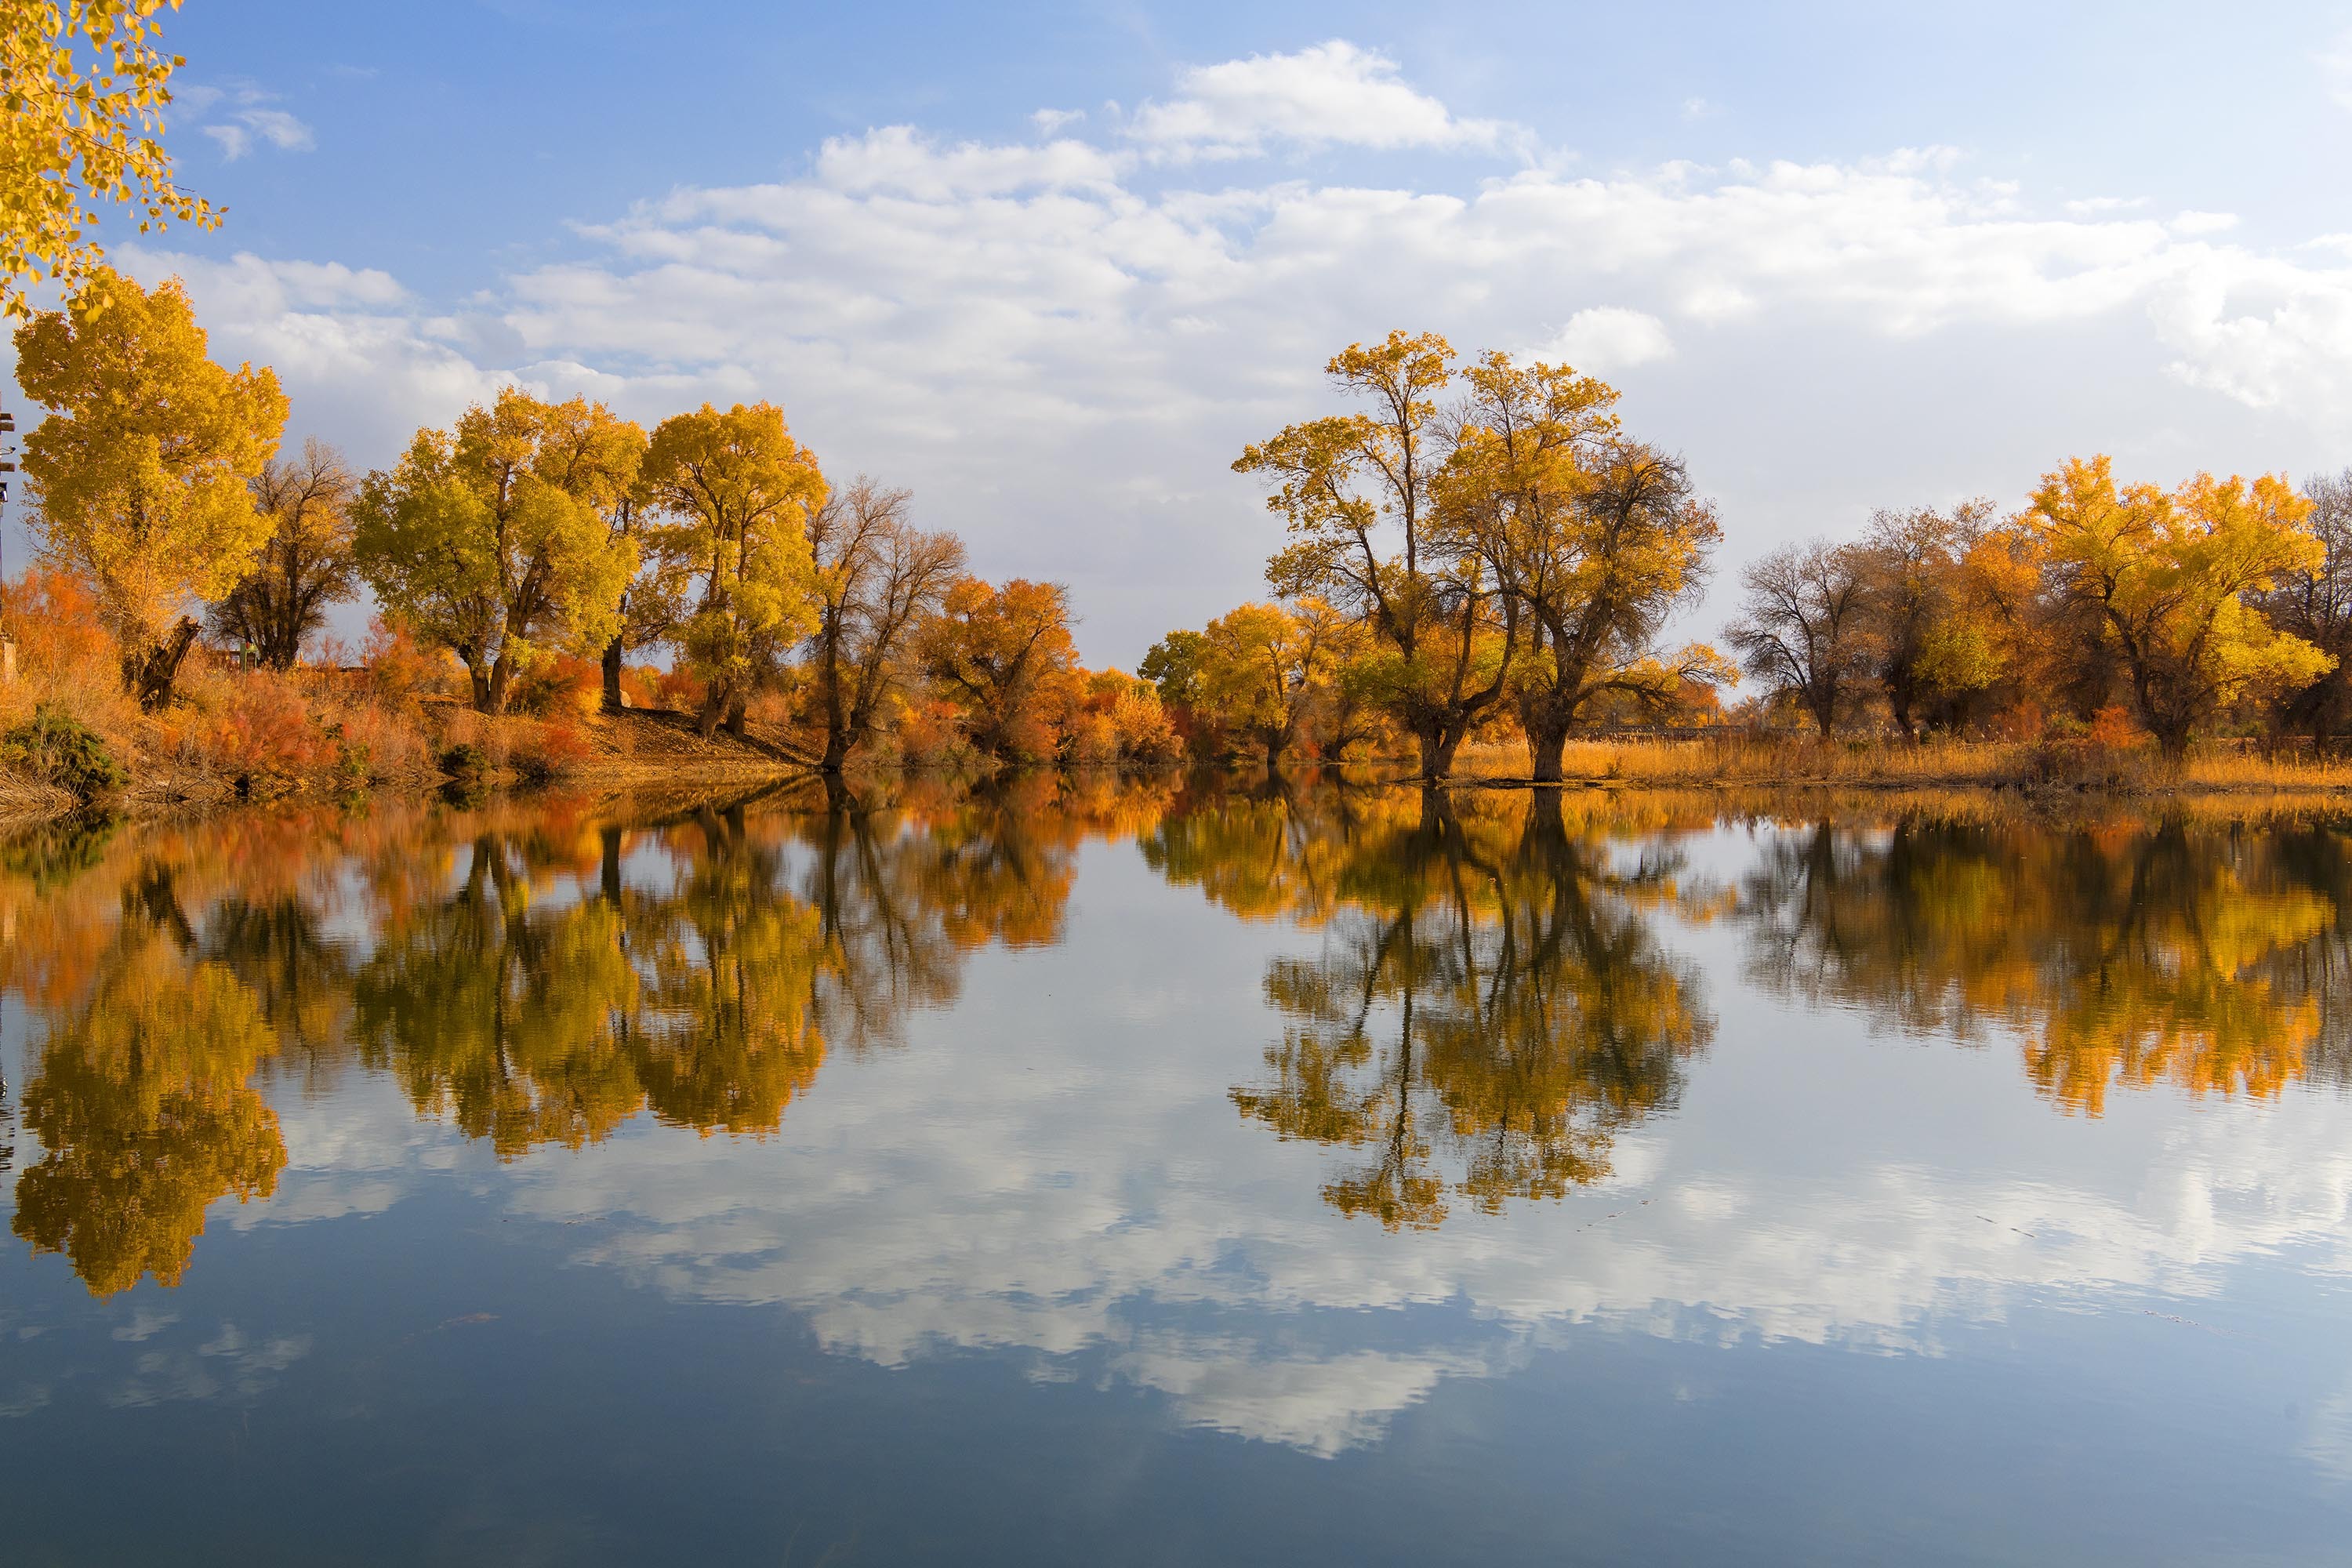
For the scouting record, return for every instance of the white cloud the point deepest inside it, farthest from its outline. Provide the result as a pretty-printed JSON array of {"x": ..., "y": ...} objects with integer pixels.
[
  {"x": 2195, "y": 222},
  {"x": 1050, "y": 120},
  {"x": 1332, "y": 94},
  {"x": 275, "y": 126},
  {"x": 2094, "y": 206},
  {"x": 1060, "y": 347},
  {"x": 1609, "y": 338},
  {"x": 1700, "y": 108}
]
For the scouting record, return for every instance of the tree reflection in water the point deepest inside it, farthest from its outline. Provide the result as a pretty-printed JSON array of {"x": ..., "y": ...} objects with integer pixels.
[
  {"x": 2212, "y": 958},
  {"x": 1490, "y": 1007},
  {"x": 537, "y": 974}
]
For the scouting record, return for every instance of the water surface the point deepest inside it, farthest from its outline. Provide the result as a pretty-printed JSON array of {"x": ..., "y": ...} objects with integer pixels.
[{"x": 1083, "y": 1171}]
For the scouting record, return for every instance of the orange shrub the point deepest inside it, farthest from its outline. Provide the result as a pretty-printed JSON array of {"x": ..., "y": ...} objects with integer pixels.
[
  {"x": 398, "y": 671},
  {"x": 64, "y": 655},
  {"x": 565, "y": 686},
  {"x": 542, "y": 751},
  {"x": 254, "y": 725},
  {"x": 648, "y": 686},
  {"x": 2112, "y": 726}
]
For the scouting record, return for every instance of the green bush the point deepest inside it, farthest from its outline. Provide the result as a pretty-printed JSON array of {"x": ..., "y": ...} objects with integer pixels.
[
  {"x": 58, "y": 749},
  {"x": 465, "y": 760}
]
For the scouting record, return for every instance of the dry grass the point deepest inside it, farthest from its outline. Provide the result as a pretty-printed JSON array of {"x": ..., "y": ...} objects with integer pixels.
[{"x": 1739, "y": 758}]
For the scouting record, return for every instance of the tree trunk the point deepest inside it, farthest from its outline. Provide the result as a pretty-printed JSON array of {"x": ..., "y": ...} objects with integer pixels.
[
  {"x": 1274, "y": 753},
  {"x": 150, "y": 677},
  {"x": 1430, "y": 749},
  {"x": 1822, "y": 706},
  {"x": 493, "y": 692},
  {"x": 836, "y": 752},
  {"x": 1437, "y": 740},
  {"x": 713, "y": 709},
  {"x": 1546, "y": 729},
  {"x": 614, "y": 701},
  {"x": 736, "y": 717}
]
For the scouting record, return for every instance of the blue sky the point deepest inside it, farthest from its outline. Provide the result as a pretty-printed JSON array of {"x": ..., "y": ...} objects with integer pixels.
[{"x": 1051, "y": 265}]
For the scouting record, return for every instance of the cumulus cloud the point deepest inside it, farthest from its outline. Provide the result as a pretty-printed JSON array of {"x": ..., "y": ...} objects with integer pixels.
[
  {"x": 283, "y": 130},
  {"x": 1333, "y": 94},
  {"x": 1607, "y": 339},
  {"x": 1060, "y": 344},
  {"x": 2093, "y": 206},
  {"x": 2194, "y": 223}
]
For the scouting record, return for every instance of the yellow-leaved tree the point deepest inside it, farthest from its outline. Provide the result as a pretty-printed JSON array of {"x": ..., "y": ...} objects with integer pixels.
[
  {"x": 141, "y": 474},
  {"x": 492, "y": 539},
  {"x": 1367, "y": 534},
  {"x": 81, "y": 87},
  {"x": 2168, "y": 576},
  {"x": 1263, "y": 668},
  {"x": 737, "y": 492},
  {"x": 1599, "y": 538}
]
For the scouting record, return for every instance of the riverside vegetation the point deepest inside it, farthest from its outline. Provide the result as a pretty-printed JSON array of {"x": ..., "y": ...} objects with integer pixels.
[{"x": 1479, "y": 565}]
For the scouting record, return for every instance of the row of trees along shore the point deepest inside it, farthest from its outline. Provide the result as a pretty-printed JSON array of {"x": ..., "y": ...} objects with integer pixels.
[
  {"x": 1473, "y": 550},
  {"x": 1478, "y": 549},
  {"x": 1485, "y": 549},
  {"x": 531, "y": 542}
]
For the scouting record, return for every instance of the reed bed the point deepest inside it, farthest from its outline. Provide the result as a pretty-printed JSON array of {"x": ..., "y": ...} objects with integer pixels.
[{"x": 1742, "y": 758}]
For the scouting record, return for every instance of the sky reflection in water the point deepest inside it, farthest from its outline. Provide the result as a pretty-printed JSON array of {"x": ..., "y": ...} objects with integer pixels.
[{"x": 1087, "y": 1170}]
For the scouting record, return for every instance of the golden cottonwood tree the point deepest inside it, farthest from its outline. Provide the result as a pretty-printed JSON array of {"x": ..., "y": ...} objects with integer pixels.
[
  {"x": 491, "y": 539},
  {"x": 1262, "y": 669},
  {"x": 2169, "y": 578},
  {"x": 737, "y": 492},
  {"x": 82, "y": 85},
  {"x": 1368, "y": 533},
  {"x": 1596, "y": 536},
  {"x": 1924, "y": 642},
  {"x": 1002, "y": 655},
  {"x": 140, "y": 473}
]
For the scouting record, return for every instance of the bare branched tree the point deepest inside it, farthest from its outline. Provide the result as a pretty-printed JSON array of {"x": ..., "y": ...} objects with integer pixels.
[
  {"x": 878, "y": 576},
  {"x": 1801, "y": 625},
  {"x": 307, "y": 565}
]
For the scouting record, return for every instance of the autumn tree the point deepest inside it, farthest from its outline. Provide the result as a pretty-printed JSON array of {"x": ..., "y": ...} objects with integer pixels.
[
  {"x": 83, "y": 84},
  {"x": 1916, "y": 606},
  {"x": 2169, "y": 578},
  {"x": 2317, "y": 607},
  {"x": 306, "y": 566},
  {"x": 491, "y": 540},
  {"x": 1598, "y": 538},
  {"x": 876, "y": 576},
  {"x": 1262, "y": 669},
  {"x": 1172, "y": 665},
  {"x": 1002, "y": 657},
  {"x": 1800, "y": 628},
  {"x": 1367, "y": 534},
  {"x": 738, "y": 493},
  {"x": 139, "y": 475}
]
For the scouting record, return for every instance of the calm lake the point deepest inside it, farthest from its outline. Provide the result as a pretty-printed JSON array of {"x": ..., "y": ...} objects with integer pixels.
[{"x": 1087, "y": 1172}]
